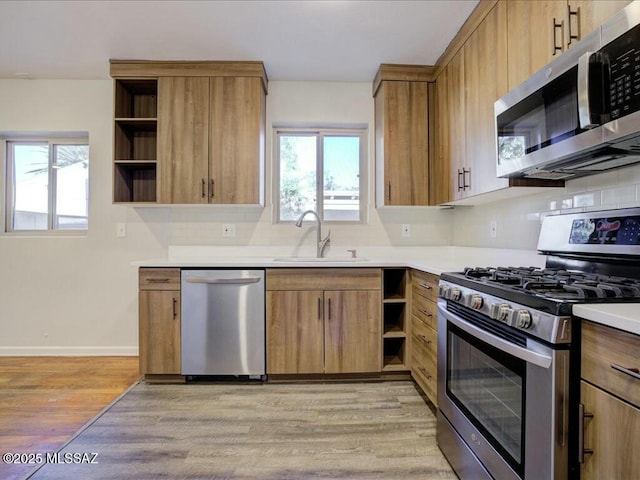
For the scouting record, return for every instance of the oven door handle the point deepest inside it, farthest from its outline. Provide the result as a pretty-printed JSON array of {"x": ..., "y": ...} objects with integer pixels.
[{"x": 517, "y": 351}]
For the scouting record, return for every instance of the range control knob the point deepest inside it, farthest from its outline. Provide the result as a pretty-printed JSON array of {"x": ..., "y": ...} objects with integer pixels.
[
  {"x": 523, "y": 319},
  {"x": 443, "y": 291},
  {"x": 455, "y": 295},
  {"x": 503, "y": 312},
  {"x": 476, "y": 301}
]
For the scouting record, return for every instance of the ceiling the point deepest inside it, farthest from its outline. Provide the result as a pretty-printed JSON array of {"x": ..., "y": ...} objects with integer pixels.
[{"x": 321, "y": 40}]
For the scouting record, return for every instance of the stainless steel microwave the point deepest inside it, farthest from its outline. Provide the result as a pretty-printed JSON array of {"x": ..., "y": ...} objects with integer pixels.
[{"x": 579, "y": 115}]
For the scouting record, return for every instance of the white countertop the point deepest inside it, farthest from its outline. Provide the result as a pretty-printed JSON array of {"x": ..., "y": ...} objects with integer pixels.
[
  {"x": 623, "y": 316},
  {"x": 434, "y": 260}
]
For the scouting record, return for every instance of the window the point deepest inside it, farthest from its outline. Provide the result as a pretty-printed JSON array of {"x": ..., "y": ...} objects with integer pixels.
[
  {"x": 321, "y": 171},
  {"x": 47, "y": 185}
]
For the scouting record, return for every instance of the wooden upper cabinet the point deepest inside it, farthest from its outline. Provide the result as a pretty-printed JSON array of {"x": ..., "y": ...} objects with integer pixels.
[
  {"x": 456, "y": 134},
  {"x": 210, "y": 132},
  {"x": 587, "y": 15},
  {"x": 532, "y": 37},
  {"x": 542, "y": 29},
  {"x": 402, "y": 135},
  {"x": 183, "y": 125},
  {"x": 236, "y": 140},
  {"x": 485, "y": 81},
  {"x": 439, "y": 168}
]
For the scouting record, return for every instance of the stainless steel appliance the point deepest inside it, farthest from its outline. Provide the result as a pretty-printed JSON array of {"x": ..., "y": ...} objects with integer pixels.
[
  {"x": 579, "y": 115},
  {"x": 223, "y": 322},
  {"x": 509, "y": 348}
]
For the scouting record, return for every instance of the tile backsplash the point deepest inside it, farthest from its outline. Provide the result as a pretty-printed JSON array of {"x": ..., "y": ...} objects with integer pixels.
[{"x": 519, "y": 219}]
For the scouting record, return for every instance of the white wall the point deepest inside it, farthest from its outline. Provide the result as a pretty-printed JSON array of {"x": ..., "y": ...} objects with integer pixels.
[
  {"x": 72, "y": 295},
  {"x": 519, "y": 219},
  {"x": 79, "y": 295}
]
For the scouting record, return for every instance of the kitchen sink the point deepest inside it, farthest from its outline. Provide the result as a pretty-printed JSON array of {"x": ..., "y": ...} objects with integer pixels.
[{"x": 320, "y": 260}]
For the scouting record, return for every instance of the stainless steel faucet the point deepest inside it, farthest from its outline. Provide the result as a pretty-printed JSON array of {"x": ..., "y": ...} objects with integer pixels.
[{"x": 321, "y": 242}]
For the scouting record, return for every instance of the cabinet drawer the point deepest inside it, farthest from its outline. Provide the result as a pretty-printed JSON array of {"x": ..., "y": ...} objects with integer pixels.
[
  {"x": 424, "y": 341},
  {"x": 424, "y": 285},
  {"x": 159, "y": 279},
  {"x": 604, "y": 348},
  {"x": 425, "y": 374},
  {"x": 324, "y": 279},
  {"x": 425, "y": 310}
]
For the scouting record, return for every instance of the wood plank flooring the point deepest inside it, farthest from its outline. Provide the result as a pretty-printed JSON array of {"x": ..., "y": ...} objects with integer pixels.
[
  {"x": 45, "y": 400},
  {"x": 367, "y": 431}
]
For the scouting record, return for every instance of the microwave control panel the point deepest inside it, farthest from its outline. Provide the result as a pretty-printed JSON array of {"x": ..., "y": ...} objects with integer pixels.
[{"x": 624, "y": 73}]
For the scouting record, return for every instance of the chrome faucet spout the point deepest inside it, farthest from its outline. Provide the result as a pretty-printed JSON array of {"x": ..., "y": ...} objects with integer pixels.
[{"x": 321, "y": 243}]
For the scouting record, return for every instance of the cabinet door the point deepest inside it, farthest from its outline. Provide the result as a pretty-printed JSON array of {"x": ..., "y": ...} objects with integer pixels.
[
  {"x": 485, "y": 74},
  {"x": 352, "y": 331},
  {"x": 584, "y": 16},
  {"x": 531, "y": 36},
  {"x": 402, "y": 118},
  {"x": 294, "y": 332},
  {"x": 612, "y": 434},
  {"x": 456, "y": 121},
  {"x": 159, "y": 331},
  {"x": 183, "y": 124},
  {"x": 236, "y": 139},
  {"x": 439, "y": 169}
]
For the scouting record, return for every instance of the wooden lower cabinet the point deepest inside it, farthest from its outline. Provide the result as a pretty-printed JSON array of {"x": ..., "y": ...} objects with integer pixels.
[
  {"x": 612, "y": 434},
  {"x": 159, "y": 321},
  {"x": 312, "y": 329},
  {"x": 295, "y": 330},
  {"x": 159, "y": 324},
  {"x": 424, "y": 327},
  {"x": 610, "y": 397}
]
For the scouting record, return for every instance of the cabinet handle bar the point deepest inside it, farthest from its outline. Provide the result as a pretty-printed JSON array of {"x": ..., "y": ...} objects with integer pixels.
[{"x": 632, "y": 372}]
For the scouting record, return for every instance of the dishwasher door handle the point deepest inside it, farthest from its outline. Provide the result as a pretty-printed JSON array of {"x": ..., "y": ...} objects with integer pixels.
[{"x": 224, "y": 281}]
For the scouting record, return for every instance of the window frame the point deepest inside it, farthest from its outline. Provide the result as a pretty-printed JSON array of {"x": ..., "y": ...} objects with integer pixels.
[
  {"x": 320, "y": 133},
  {"x": 8, "y": 167}
]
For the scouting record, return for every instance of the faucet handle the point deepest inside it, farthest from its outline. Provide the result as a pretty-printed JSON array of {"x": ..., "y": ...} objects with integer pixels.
[{"x": 353, "y": 252}]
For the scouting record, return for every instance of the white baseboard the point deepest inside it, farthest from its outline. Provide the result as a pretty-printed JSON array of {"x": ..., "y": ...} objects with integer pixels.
[{"x": 69, "y": 351}]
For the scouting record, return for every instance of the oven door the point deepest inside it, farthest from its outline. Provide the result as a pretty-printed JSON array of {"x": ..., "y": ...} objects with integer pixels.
[{"x": 504, "y": 396}]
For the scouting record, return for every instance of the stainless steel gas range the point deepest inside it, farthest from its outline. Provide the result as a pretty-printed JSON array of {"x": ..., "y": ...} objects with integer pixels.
[{"x": 509, "y": 348}]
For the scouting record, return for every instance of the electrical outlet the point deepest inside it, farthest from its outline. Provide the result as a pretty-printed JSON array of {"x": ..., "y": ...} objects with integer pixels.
[
  {"x": 121, "y": 230},
  {"x": 406, "y": 230},
  {"x": 493, "y": 229},
  {"x": 228, "y": 229}
]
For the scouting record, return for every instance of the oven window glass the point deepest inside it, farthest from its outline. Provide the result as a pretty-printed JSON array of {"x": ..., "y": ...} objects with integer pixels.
[
  {"x": 547, "y": 116},
  {"x": 489, "y": 387}
]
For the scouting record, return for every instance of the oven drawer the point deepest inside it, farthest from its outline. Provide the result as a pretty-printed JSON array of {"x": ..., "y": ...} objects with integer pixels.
[
  {"x": 425, "y": 310},
  {"x": 424, "y": 285},
  {"x": 159, "y": 279},
  {"x": 604, "y": 351}
]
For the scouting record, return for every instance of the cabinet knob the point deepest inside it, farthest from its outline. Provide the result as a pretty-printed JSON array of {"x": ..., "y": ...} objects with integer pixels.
[
  {"x": 211, "y": 189},
  {"x": 204, "y": 186},
  {"x": 557, "y": 25}
]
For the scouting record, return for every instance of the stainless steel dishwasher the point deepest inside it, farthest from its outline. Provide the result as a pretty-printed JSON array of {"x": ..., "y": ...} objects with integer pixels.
[{"x": 223, "y": 322}]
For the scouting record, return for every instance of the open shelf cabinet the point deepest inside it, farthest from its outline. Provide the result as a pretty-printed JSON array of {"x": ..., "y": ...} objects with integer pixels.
[
  {"x": 394, "y": 319},
  {"x": 135, "y": 140}
]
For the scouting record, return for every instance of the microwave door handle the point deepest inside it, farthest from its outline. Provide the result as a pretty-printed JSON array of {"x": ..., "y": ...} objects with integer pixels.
[
  {"x": 528, "y": 356},
  {"x": 584, "y": 104}
]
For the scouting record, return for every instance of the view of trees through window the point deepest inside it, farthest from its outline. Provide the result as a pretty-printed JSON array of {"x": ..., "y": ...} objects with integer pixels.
[
  {"x": 321, "y": 172},
  {"x": 48, "y": 183}
]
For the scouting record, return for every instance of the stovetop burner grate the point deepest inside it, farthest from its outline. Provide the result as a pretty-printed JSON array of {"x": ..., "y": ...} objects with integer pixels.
[{"x": 557, "y": 284}]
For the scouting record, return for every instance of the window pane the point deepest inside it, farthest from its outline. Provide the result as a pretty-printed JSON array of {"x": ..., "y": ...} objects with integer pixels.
[
  {"x": 71, "y": 166},
  {"x": 31, "y": 187},
  {"x": 297, "y": 175},
  {"x": 341, "y": 178}
]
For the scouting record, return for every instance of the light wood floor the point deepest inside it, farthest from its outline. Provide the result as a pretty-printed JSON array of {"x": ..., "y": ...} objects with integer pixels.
[
  {"x": 45, "y": 400},
  {"x": 253, "y": 431}
]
